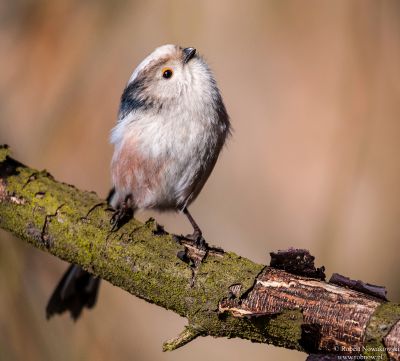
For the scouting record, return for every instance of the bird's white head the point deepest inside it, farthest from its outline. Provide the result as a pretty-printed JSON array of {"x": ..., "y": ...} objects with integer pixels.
[{"x": 170, "y": 75}]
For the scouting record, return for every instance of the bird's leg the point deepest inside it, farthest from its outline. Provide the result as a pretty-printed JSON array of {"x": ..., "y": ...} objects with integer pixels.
[
  {"x": 196, "y": 236},
  {"x": 123, "y": 214}
]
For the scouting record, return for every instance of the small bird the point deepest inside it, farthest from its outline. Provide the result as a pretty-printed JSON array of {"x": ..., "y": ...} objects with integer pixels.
[{"x": 171, "y": 127}]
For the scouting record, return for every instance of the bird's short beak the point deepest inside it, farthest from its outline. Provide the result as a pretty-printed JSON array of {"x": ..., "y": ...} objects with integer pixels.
[{"x": 188, "y": 53}]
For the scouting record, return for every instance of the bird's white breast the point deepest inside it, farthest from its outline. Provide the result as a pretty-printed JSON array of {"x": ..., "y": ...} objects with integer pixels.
[{"x": 179, "y": 142}]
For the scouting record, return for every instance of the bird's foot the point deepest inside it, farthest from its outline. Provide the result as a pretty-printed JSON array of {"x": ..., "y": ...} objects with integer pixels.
[
  {"x": 194, "y": 252},
  {"x": 198, "y": 241},
  {"x": 120, "y": 217},
  {"x": 195, "y": 240},
  {"x": 196, "y": 247}
]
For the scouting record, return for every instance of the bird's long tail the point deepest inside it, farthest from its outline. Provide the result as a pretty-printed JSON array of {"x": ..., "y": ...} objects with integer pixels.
[{"x": 77, "y": 289}]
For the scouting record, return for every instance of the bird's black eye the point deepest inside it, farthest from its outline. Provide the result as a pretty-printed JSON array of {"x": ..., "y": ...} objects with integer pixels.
[{"x": 167, "y": 73}]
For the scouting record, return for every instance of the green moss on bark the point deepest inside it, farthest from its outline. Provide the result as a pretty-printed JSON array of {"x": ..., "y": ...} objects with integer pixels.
[
  {"x": 383, "y": 319},
  {"x": 74, "y": 226}
]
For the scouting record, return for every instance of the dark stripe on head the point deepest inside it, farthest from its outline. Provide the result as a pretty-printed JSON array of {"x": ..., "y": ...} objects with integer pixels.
[
  {"x": 135, "y": 95},
  {"x": 132, "y": 98}
]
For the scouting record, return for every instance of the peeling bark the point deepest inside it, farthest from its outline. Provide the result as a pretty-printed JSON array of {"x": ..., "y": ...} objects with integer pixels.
[
  {"x": 298, "y": 262},
  {"x": 224, "y": 295},
  {"x": 331, "y": 322},
  {"x": 369, "y": 289}
]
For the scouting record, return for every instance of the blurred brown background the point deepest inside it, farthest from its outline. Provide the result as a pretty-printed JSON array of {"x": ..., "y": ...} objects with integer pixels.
[{"x": 313, "y": 90}]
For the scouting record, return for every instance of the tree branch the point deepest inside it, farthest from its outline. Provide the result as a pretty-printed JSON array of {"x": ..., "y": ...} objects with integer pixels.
[{"x": 225, "y": 295}]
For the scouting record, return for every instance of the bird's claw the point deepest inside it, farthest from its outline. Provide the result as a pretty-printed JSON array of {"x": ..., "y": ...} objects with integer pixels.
[
  {"x": 198, "y": 241},
  {"x": 120, "y": 217},
  {"x": 194, "y": 240}
]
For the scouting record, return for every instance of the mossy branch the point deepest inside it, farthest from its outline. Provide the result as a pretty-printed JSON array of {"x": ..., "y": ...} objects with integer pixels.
[{"x": 225, "y": 295}]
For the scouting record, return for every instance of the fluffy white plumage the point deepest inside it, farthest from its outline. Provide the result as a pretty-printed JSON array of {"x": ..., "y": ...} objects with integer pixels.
[{"x": 169, "y": 132}]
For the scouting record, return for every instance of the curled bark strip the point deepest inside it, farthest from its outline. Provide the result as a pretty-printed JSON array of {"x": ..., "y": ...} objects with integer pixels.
[
  {"x": 367, "y": 288},
  {"x": 331, "y": 322}
]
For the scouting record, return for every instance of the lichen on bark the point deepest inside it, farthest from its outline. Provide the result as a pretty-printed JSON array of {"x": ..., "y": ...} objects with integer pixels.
[{"x": 139, "y": 258}]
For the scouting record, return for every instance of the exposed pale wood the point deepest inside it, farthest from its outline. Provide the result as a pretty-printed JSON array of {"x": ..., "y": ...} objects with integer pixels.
[{"x": 335, "y": 317}]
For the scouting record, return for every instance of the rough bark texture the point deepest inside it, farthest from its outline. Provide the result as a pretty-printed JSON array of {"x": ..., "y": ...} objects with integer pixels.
[
  {"x": 330, "y": 318},
  {"x": 391, "y": 342},
  {"x": 225, "y": 295}
]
